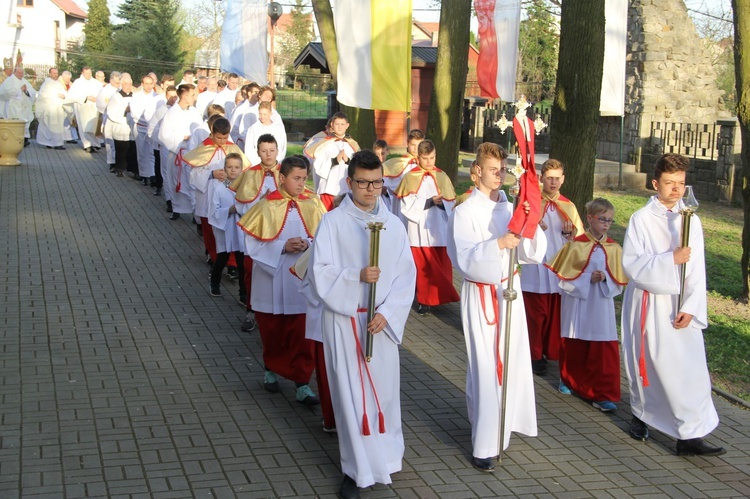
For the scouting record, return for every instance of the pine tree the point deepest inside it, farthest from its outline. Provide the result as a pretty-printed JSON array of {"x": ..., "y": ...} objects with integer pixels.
[
  {"x": 97, "y": 33},
  {"x": 537, "y": 46}
]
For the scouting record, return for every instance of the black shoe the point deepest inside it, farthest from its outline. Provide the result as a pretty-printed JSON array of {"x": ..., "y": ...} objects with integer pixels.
[
  {"x": 215, "y": 291},
  {"x": 144, "y": 181},
  {"x": 71, "y": 142},
  {"x": 272, "y": 387},
  {"x": 119, "y": 174},
  {"x": 199, "y": 229},
  {"x": 209, "y": 262},
  {"x": 48, "y": 147},
  {"x": 249, "y": 323},
  {"x": 26, "y": 142},
  {"x": 92, "y": 150},
  {"x": 169, "y": 206},
  {"x": 639, "y": 430},
  {"x": 483, "y": 464},
  {"x": 174, "y": 216},
  {"x": 136, "y": 176},
  {"x": 89, "y": 150},
  {"x": 348, "y": 489},
  {"x": 423, "y": 310},
  {"x": 95, "y": 148},
  {"x": 157, "y": 191},
  {"x": 539, "y": 367},
  {"x": 60, "y": 148},
  {"x": 697, "y": 447},
  {"x": 233, "y": 273},
  {"x": 111, "y": 168}
]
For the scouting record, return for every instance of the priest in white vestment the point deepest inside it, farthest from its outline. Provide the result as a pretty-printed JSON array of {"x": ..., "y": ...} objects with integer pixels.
[
  {"x": 665, "y": 358},
  {"x": 50, "y": 112},
  {"x": 102, "y": 100},
  {"x": 84, "y": 92},
  {"x": 206, "y": 97},
  {"x": 479, "y": 245},
  {"x": 154, "y": 125},
  {"x": 363, "y": 393},
  {"x": 174, "y": 134},
  {"x": 17, "y": 98}
]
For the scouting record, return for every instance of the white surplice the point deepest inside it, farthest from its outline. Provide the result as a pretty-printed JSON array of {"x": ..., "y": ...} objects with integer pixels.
[
  {"x": 538, "y": 278},
  {"x": 258, "y": 129},
  {"x": 588, "y": 309},
  {"x": 426, "y": 227},
  {"x": 332, "y": 176},
  {"x": 678, "y": 400},
  {"x": 119, "y": 116},
  {"x": 475, "y": 226},
  {"x": 102, "y": 99},
  {"x": 142, "y": 107},
  {"x": 275, "y": 290},
  {"x": 50, "y": 113},
  {"x": 340, "y": 251},
  {"x": 203, "y": 100},
  {"x": 87, "y": 115},
  {"x": 177, "y": 124},
  {"x": 201, "y": 177},
  {"x": 229, "y": 237}
]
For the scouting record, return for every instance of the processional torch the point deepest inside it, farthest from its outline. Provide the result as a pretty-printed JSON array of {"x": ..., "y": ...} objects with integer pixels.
[
  {"x": 374, "y": 226},
  {"x": 689, "y": 207},
  {"x": 509, "y": 295}
]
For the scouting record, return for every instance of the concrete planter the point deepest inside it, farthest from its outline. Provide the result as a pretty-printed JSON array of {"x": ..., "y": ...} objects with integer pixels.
[{"x": 11, "y": 141}]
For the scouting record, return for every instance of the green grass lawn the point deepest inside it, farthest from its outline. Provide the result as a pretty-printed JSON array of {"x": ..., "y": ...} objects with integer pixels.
[{"x": 301, "y": 104}]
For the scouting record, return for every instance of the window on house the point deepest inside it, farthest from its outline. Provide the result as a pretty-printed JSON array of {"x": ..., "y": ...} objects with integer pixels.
[{"x": 25, "y": 3}]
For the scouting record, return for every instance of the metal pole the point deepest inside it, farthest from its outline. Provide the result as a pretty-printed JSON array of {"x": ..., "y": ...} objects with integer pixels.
[
  {"x": 509, "y": 295},
  {"x": 375, "y": 228},
  {"x": 619, "y": 177}
]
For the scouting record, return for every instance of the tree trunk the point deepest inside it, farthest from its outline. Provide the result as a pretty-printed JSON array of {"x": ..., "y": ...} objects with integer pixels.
[
  {"x": 741, "y": 9},
  {"x": 362, "y": 121},
  {"x": 447, "y": 96},
  {"x": 575, "y": 111}
]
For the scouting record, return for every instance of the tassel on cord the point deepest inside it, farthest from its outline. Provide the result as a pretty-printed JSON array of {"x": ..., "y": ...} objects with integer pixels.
[
  {"x": 381, "y": 422},
  {"x": 366, "y": 425},
  {"x": 642, "y": 360},
  {"x": 499, "y": 372}
]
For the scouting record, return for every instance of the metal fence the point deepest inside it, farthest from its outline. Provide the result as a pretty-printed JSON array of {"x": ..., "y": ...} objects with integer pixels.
[{"x": 695, "y": 140}]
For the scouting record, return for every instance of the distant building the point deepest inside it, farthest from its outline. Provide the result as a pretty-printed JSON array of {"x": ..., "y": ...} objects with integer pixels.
[{"x": 43, "y": 30}]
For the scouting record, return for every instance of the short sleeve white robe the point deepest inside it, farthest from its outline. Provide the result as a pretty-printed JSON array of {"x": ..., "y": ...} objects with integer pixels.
[
  {"x": 475, "y": 226},
  {"x": 426, "y": 227},
  {"x": 332, "y": 177},
  {"x": 255, "y": 131},
  {"x": 175, "y": 126},
  {"x": 201, "y": 177},
  {"x": 340, "y": 251},
  {"x": 538, "y": 278},
  {"x": 142, "y": 107},
  {"x": 678, "y": 400}
]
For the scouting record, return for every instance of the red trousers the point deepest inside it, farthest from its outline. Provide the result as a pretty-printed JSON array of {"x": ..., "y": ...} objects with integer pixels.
[
  {"x": 327, "y": 200},
  {"x": 286, "y": 351},
  {"x": 434, "y": 275},
  {"x": 324, "y": 392},
  {"x": 591, "y": 368},
  {"x": 210, "y": 242},
  {"x": 543, "y": 321}
]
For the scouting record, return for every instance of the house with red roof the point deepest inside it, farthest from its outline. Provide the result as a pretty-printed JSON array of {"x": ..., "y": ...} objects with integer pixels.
[{"x": 43, "y": 30}]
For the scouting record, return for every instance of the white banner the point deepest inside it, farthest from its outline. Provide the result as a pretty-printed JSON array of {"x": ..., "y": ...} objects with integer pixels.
[
  {"x": 244, "y": 38},
  {"x": 613, "y": 77}
]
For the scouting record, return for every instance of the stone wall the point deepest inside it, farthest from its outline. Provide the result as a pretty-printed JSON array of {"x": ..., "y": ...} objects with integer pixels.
[{"x": 669, "y": 77}]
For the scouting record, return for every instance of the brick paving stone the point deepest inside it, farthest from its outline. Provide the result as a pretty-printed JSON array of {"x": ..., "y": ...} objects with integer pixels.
[{"x": 119, "y": 376}]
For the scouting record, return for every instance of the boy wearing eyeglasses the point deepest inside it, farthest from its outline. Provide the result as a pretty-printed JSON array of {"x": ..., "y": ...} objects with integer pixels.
[
  {"x": 365, "y": 395},
  {"x": 591, "y": 275}
]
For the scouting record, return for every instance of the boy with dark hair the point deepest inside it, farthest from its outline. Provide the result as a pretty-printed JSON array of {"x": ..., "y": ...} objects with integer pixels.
[
  {"x": 365, "y": 394},
  {"x": 426, "y": 195},
  {"x": 278, "y": 230}
]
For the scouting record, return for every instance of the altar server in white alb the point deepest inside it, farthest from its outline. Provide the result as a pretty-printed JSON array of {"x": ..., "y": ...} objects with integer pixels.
[
  {"x": 102, "y": 99},
  {"x": 665, "y": 358},
  {"x": 174, "y": 134},
  {"x": 479, "y": 244},
  {"x": 365, "y": 395},
  {"x": 50, "y": 112},
  {"x": 142, "y": 107}
]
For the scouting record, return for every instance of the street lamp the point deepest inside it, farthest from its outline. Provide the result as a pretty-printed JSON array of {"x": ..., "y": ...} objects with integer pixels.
[{"x": 274, "y": 13}]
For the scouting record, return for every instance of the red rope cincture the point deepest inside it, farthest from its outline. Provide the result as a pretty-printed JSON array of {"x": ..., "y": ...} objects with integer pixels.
[
  {"x": 363, "y": 362},
  {"x": 642, "y": 360},
  {"x": 178, "y": 164},
  {"x": 495, "y": 322}
]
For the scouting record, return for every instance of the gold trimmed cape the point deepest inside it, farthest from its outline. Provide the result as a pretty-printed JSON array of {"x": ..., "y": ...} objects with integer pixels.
[
  {"x": 394, "y": 167},
  {"x": 266, "y": 220},
  {"x": 565, "y": 208},
  {"x": 413, "y": 180},
  {"x": 574, "y": 257},
  {"x": 204, "y": 153},
  {"x": 248, "y": 185},
  {"x": 313, "y": 148}
]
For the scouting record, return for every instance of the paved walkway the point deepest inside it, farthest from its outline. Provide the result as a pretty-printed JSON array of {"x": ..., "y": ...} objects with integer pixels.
[{"x": 120, "y": 376}]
